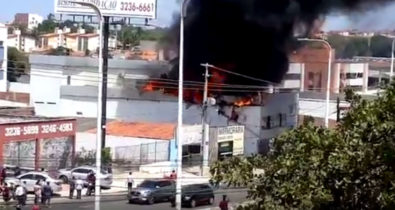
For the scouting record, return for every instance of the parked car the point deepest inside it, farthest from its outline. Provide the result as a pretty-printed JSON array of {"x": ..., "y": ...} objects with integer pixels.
[
  {"x": 82, "y": 172},
  {"x": 32, "y": 177},
  {"x": 151, "y": 191},
  {"x": 196, "y": 194}
]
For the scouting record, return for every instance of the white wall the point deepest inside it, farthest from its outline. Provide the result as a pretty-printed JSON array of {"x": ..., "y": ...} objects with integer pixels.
[
  {"x": 19, "y": 87},
  {"x": 93, "y": 43},
  {"x": 30, "y": 44},
  {"x": 45, "y": 93},
  {"x": 34, "y": 20},
  {"x": 317, "y": 108},
  {"x": 4, "y": 49}
]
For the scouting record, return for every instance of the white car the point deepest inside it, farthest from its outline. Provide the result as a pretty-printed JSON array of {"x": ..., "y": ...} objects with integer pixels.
[
  {"x": 82, "y": 172},
  {"x": 31, "y": 179}
]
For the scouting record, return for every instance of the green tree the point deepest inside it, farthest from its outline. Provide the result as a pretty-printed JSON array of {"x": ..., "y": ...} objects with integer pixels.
[
  {"x": 130, "y": 36},
  {"x": 349, "y": 167},
  {"x": 48, "y": 25},
  {"x": 18, "y": 64},
  {"x": 381, "y": 46}
]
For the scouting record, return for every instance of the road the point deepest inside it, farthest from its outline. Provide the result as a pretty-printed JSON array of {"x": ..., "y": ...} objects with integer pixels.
[{"x": 119, "y": 202}]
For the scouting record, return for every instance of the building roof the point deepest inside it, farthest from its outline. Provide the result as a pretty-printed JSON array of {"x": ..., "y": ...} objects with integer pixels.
[
  {"x": 91, "y": 35},
  {"x": 162, "y": 131},
  {"x": 12, "y": 36},
  {"x": 49, "y": 35},
  {"x": 73, "y": 35}
]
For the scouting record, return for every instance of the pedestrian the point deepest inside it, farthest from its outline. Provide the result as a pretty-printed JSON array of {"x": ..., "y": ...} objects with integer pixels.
[
  {"x": 223, "y": 205},
  {"x": 91, "y": 183},
  {"x": 12, "y": 191},
  {"x": 173, "y": 175},
  {"x": 17, "y": 171},
  {"x": 37, "y": 191},
  {"x": 6, "y": 193},
  {"x": 72, "y": 187},
  {"x": 130, "y": 182},
  {"x": 25, "y": 193},
  {"x": 48, "y": 194},
  {"x": 42, "y": 183},
  {"x": 109, "y": 170},
  {"x": 79, "y": 184},
  {"x": 19, "y": 193},
  {"x": 3, "y": 175}
]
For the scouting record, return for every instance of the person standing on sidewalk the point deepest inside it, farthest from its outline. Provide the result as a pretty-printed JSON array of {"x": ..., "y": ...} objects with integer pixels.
[
  {"x": 47, "y": 194},
  {"x": 224, "y": 203},
  {"x": 25, "y": 193},
  {"x": 79, "y": 184},
  {"x": 91, "y": 183},
  {"x": 37, "y": 191},
  {"x": 6, "y": 193},
  {"x": 3, "y": 175},
  {"x": 19, "y": 193},
  {"x": 130, "y": 182},
  {"x": 72, "y": 187}
]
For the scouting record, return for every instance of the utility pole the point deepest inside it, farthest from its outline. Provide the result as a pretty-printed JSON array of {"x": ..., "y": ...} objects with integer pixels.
[
  {"x": 205, "y": 127},
  {"x": 338, "y": 109},
  {"x": 106, "y": 34}
]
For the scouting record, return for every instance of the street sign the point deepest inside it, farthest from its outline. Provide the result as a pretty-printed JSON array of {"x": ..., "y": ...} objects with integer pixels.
[
  {"x": 233, "y": 134},
  {"x": 112, "y": 8}
]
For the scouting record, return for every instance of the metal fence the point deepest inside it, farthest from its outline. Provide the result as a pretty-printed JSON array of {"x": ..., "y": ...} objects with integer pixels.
[{"x": 143, "y": 153}]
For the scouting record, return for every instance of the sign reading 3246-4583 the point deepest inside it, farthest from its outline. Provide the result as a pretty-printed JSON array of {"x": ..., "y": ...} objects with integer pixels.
[{"x": 113, "y": 8}]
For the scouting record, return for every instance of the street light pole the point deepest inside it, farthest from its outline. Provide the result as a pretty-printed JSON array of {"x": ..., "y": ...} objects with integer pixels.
[
  {"x": 328, "y": 85},
  {"x": 99, "y": 102},
  {"x": 180, "y": 106},
  {"x": 392, "y": 60}
]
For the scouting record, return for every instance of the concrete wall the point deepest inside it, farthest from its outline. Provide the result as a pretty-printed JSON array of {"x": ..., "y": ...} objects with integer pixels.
[{"x": 19, "y": 87}]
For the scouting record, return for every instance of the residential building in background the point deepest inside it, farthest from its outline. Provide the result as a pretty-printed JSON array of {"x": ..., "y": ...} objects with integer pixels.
[
  {"x": 21, "y": 42},
  {"x": 29, "y": 20},
  {"x": 3, "y": 57},
  {"x": 312, "y": 64}
]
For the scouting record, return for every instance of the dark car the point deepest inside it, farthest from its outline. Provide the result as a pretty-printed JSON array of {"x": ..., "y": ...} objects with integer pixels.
[
  {"x": 196, "y": 194},
  {"x": 151, "y": 191}
]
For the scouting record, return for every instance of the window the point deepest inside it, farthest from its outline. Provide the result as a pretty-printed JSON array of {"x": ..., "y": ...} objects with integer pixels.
[
  {"x": 27, "y": 176},
  {"x": 204, "y": 187},
  {"x": 164, "y": 184},
  {"x": 292, "y": 77},
  {"x": 82, "y": 171},
  {"x": 39, "y": 177}
]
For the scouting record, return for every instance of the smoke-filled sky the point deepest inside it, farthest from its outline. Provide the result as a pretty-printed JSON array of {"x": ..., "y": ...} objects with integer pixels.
[
  {"x": 378, "y": 19},
  {"x": 381, "y": 18}
]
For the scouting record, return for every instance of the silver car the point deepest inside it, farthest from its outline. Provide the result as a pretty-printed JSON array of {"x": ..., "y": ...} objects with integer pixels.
[
  {"x": 82, "y": 173},
  {"x": 31, "y": 179}
]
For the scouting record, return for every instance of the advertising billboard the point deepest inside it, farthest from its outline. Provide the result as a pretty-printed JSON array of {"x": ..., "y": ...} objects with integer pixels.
[{"x": 112, "y": 8}]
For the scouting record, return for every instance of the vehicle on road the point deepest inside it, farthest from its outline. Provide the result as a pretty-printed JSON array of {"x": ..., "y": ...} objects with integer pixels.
[
  {"x": 151, "y": 191},
  {"x": 196, "y": 194},
  {"x": 32, "y": 177},
  {"x": 82, "y": 173}
]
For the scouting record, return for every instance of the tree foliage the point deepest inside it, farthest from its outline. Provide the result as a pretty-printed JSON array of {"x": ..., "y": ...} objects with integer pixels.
[
  {"x": 348, "y": 47},
  {"x": 349, "y": 167},
  {"x": 18, "y": 64}
]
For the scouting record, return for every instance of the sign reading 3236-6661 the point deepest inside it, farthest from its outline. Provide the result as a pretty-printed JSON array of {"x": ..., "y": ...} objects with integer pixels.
[{"x": 113, "y": 8}]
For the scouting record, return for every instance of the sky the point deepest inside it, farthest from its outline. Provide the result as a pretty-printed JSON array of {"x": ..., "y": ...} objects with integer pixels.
[{"x": 377, "y": 19}]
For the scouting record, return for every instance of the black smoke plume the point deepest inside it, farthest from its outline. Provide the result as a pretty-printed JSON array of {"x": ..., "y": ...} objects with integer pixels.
[{"x": 251, "y": 37}]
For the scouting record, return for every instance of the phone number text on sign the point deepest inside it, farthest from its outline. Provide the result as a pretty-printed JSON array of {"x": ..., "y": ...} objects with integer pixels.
[
  {"x": 140, "y": 7},
  {"x": 36, "y": 129}
]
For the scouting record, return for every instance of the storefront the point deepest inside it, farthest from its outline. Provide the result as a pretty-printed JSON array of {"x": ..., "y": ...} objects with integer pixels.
[{"x": 34, "y": 142}]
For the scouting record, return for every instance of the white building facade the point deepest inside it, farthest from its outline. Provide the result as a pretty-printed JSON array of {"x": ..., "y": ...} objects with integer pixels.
[
  {"x": 52, "y": 96},
  {"x": 3, "y": 57}
]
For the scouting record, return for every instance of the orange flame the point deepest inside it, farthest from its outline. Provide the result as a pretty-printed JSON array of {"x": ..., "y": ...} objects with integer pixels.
[
  {"x": 243, "y": 102},
  {"x": 149, "y": 87}
]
